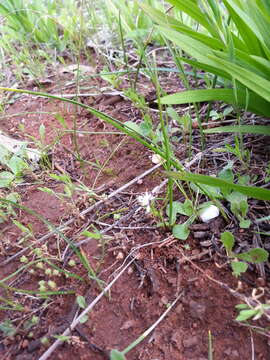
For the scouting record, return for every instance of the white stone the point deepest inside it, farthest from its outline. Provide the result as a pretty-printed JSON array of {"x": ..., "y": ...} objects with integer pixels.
[
  {"x": 157, "y": 159},
  {"x": 209, "y": 213}
]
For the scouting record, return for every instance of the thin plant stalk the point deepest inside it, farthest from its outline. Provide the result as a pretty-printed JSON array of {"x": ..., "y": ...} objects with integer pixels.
[
  {"x": 123, "y": 47},
  {"x": 152, "y": 327},
  {"x": 210, "y": 346},
  {"x": 167, "y": 148}
]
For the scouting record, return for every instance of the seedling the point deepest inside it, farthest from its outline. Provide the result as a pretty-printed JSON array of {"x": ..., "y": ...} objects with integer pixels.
[
  {"x": 15, "y": 165},
  {"x": 184, "y": 122},
  {"x": 267, "y": 173},
  {"x": 187, "y": 208},
  {"x": 238, "y": 201},
  {"x": 6, "y": 209},
  {"x": 249, "y": 312},
  {"x": 7, "y": 328},
  {"x": 242, "y": 155},
  {"x": 181, "y": 231},
  {"x": 239, "y": 261},
  {"x": 82, "y": 304}
]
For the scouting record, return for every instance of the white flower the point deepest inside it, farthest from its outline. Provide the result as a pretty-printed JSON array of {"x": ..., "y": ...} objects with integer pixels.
[{"x": 145, "y": 200}]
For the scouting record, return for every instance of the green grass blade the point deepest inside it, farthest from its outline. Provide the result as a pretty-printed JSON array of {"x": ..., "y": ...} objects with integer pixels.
[
  {"x": 250, "y": 191},
  {"x": 246, "y": 77},
  {"x": 193, "y": 47},
  {"x": 166, "y": 20},
  {"x": 246, "y": 27},
  {"x": 243, "y": 129},
  {"x": 256, "y": 103},
  {"x": 193, "y": 9}
]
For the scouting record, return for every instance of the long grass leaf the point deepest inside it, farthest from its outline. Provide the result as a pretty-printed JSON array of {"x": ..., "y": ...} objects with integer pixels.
[
  {"x": 193, "y": 47},
  {"x": 246, "y": 77},
  {"x": 245, "y": 26},
  {"x": 256, "y": 103},
  {"x": 243, "y": 129},
  {"x": 191, "y": 8},
  {"x": 250, "y": 191}
]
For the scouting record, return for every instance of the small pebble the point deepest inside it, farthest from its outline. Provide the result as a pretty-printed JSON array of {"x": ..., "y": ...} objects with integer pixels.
[
  {"x": 209, "y": 213},
  {"x": 200, "y": 234},
  {"x": 130, "y": 270},
  {"x": 120, "y": 256}
]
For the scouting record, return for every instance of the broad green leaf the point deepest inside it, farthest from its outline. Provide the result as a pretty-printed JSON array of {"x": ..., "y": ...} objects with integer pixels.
[
  {"x": 242, "y": 306},
  {"x": 255, "y": 256},
  {"x": 160, "y": 17},
  {"x": 251, "y": 191},
  {"x": 117, "y": 355},
  {"x": 238, "y": 267},
  {"x": 6, "y": 178},
  {"x": 244, "y": 223},
  {"x": 81, "y": 301},
  {"x": 227, "y": 239},
  {"x": 243, "y": 129},
  {"x": 181, "y": 231},
  {"x": 92, "y": 235},
  {"x": 17, "y": 165},
  {"x": 176, "y": 209},
  {"x": 166, "y": 20},
  {"x": 210, "y": 191},
  {"x": 246, "y": 314},
  {"x": 226, "y": 174},
  {"x": 185, "y": 208},
  {"x": 84, "y": 319},
  {"x": 238, "y": 203},
  {"x": 4, "y": 155}
]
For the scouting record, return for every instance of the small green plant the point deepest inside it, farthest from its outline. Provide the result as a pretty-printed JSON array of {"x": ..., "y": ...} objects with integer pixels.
[
  {"x": 15, "y": 165},
  {"x": 111, "y": 78},
  {"x": 82, "y": 304},
  {"x": 247, "y": 312},
  {"x": 237, "y": 200},
  {"x": 239, "y": 261},
  {"x": 267, "y": 173},
  {"x": 243, "y": 155},
  {"x": 6, "y": 209},
  {"x": 184, "y": 122},
  {"x": 181, "y": 231},
  {"x": 7, "y": 328}
]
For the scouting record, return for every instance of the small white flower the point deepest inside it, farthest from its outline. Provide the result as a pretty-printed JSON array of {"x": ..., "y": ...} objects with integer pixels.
[{"x": 145, "y": 200}]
